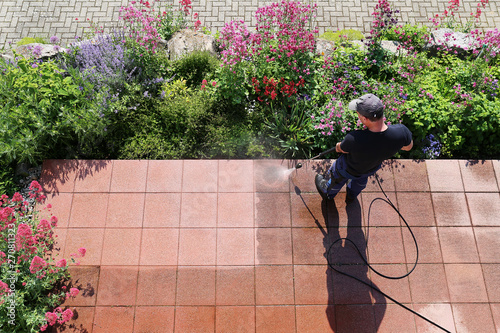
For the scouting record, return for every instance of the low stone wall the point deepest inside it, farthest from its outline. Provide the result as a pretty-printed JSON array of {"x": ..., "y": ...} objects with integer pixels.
[{"x": 67, "y": 19}]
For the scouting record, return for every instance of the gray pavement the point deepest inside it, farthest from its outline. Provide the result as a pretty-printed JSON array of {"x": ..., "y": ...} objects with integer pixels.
[{"x": 67, "y": 19}]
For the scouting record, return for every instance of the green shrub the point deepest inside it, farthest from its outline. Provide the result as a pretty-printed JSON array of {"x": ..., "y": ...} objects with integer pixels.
[
  {"x": 43, "y": 114},
  {"x": 342, "y": 35},
  {"x": 195, "y": 67},
  {"x": 410, "y": 36}
]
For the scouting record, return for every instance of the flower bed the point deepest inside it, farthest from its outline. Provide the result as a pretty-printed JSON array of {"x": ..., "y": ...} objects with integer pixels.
[{"x": 268, "y": 94}]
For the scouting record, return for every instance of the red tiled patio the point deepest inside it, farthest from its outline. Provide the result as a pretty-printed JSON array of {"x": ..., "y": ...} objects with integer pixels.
[{"x": 237, "y": 246}]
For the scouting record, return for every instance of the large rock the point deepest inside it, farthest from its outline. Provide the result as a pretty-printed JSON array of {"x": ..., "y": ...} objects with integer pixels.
[
  {"x": 45, "y": 50},
  {"x": 186, "y": 41},
  {"x": 458, "y": 42}
]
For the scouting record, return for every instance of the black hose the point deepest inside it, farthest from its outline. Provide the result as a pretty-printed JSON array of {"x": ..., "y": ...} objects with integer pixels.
[{"x": 332, "y": 265}]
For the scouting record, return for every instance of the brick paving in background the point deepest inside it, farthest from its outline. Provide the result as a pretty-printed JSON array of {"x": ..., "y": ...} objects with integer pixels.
[
  {"x": 46, "y": 18},
  {"x": 237, "y": 246}
]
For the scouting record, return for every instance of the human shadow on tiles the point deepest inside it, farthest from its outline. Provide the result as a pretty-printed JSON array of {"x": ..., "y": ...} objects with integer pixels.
[{"x": 352, "y": 305}]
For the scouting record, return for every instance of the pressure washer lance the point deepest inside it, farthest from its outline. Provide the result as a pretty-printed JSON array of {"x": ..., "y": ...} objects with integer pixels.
[{"x": 299, "y": 165}]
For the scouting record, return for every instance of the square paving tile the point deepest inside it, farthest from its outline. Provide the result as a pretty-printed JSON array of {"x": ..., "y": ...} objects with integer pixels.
[
  {"x": 235, "y": 285},
  {"x": 272, "y": 210},
  {"x": 91, "y": 239},
  {"x": 385, "y": 246},
  {"x": 466, "y": 283},
  {"x": 416, "y": 208},
  {"x": 159, "y": 246},
  {"x": 125, "y": 210},
  {"x": 488, "y": 244},
  {"x": 410, "y": 176},
  {"x": 347, "y": 290},
  {"x": 58, "y": 175},
  {"x": 164, "y": 176},
  {"x": 197, "y": 246},
  {"x": 386, "y": 178},
  {"x": 484, "y": 208},
  {"x": 88, "y": 210},
  {"x": 390, "y": 316},
  {"x": 315, "y": 318},
  {"x": 85, "y": 279},
  {"x": 451, "y": 209},
  {"x": 275, "y": 319},
  {"x": 270, "y": 176},
  {"x": 93, "y": 176},
  {"x": 377, "y": 213},
  {"x": 238, "y": 319},
  {"x": 195, "y": 285},
  {"x": 121, "y": 247},
  {"x": 458, "y": 245},
  {"x": 428, "y": 284},
  {"x": 200, "y": 319},
  {"x": 113, "y": 319},
  {"x": 308, "y": 210},
  {"x": 235, "y": 210},
  {"x": 309, "y": 246},
  {"x": 347, "y": 318},
  {"x": 236, "y": 176},
  {"x": 199, "y": 210},
  {"x": 82, "y": 321},
  {"x": 274, "y": 285},
  {"x": 439, "y": 313},
  {"x": 156, "y": 285},
  {"x": 491, "y": 274},
  {"x": 273, "y": 246},
  {"x": 121, "y": 180},
  {"x": 162, "y": 210},
  {"x": 154, "y": 319},
  {"x": 398, "y": 289},
  {"x": 60, "y": 208},
  {"x": 473, "y": 318},
  {"x": 444, "y": 175},
  {"x": 311, "y": 285},
  {"x": 235, "y": 246},
  {"x": 478, "y": 176},
  {"x": 200, "y": 176},
  {"x": 117, "y": 285},
  {"x": 429, "y": 248}
]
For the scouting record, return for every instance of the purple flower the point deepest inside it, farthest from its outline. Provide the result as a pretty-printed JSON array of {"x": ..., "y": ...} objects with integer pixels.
[{"x": 54, "y": 40}]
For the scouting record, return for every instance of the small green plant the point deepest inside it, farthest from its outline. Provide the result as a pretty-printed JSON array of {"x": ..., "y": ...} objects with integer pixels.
[
  {"x": 342, "y": 35},
  {"x": 31, "y": 40},
  {"x": 29, "y": 276}
]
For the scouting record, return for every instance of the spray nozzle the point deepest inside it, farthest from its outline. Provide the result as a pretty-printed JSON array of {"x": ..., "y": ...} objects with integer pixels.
[{"x": 298, "y": 166}]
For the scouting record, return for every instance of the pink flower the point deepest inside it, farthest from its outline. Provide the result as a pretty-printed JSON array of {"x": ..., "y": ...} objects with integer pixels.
[
  {"x": 73, "y": 292},
  {"x": 61, "y": 263},
  {"x": 82, "y": 251},
  {"x": 51, "y": 318},
  {"x": 37, "y": 264}
]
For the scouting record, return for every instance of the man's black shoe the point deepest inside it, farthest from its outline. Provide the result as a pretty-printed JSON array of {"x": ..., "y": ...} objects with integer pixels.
[{"x": 322, "y": 186}]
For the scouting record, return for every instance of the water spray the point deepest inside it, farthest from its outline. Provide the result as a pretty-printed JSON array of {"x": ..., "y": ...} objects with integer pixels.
[{"x": 299, "y": 165}]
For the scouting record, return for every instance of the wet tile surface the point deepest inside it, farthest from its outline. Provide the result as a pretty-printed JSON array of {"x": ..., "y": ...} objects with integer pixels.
[{"x": 244, "y": 246}]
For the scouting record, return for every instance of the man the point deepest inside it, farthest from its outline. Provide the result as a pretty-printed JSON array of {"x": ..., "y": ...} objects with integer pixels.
[{"x": 363, "y": 151}]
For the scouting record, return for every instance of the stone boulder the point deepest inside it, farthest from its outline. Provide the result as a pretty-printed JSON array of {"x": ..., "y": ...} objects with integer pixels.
[
  {"x": 186, "y": 41},
  {"x": 459, "y": 42},
  {"x": 45, "y": 51}
]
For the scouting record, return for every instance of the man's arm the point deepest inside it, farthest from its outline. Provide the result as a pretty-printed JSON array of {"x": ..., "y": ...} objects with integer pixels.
[
  {"x": 408, "y": 147},
  {"x": 339, "y": 150}
]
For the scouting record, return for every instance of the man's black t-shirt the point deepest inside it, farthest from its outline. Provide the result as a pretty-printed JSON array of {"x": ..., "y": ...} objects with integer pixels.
[{"x": 367, "y": 150}]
